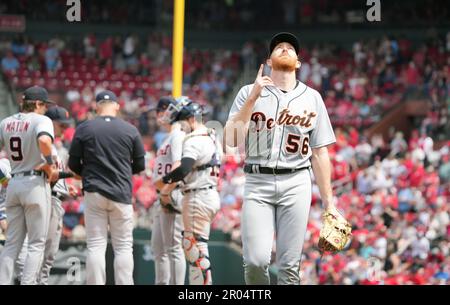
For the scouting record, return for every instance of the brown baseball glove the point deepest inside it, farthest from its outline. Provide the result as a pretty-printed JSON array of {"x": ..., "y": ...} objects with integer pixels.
[{"x": 335, "y": 232}]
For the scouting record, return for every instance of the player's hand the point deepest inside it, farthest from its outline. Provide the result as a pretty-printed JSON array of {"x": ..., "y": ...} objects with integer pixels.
[
  {"x": 330, "y": 206},
  {"x": 51, "y": 171},
  {"x": 75, "y": 176},
  {"x": 165, "y": 198},
  {"x": 260, "y": 82},
  {"x": 166, "y": 194},
  {"x": 72, "y": 190},
  {"x": 159, "y": 184}
]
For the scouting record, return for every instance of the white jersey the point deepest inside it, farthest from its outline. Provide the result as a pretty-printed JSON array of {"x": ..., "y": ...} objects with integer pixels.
[
  {"x": 60, "y": 186},
  {"x": 285, "y": 126},
  {"x": 18, "y": 137},
  {"x": 202, "y": 146},
  {"x": 169, "y": 152},
  {"x": 5, "y": 168}
]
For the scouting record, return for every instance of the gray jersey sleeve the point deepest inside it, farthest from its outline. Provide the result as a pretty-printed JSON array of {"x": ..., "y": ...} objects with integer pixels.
[
  {"x": 239, "y": 101},
  {"x": 219, "y": 150},
  {"x": 5, "y": 168},
  {"x": 1, "y": 136},
  {"x": 323, "y": 133},
  {"x": 60, "y": 186},
  {"x": 45, "y": 125},
  {"x": 191, "y": 150},
  {"x": 176, "y": 146}
]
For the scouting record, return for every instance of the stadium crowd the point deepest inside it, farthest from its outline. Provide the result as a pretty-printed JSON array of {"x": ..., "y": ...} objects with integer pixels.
[
  {"x": 394, "y": 191},
  {"x": 358, "y": 85},
  {"x": 250, "y": 14}
]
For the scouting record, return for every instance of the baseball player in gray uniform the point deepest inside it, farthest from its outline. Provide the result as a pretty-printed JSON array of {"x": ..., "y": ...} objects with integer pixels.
[
  {"x": 5, "y": 175},
  {"x": 60, "y": 190},
  {"x": 170, "y": 263},
  {"x": 285, "y": 129},
  {"x": 199, "y": 169},
  {"x": 27, "y": 139}
]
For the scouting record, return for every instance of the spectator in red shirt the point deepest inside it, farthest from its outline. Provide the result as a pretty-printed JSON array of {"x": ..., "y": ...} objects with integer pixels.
[
  {"x": 106, "y": 50},
  {"x": 353, "y": 137},
  {"x": 417, "y": 175},
  {"x": 412, "y": 75}
]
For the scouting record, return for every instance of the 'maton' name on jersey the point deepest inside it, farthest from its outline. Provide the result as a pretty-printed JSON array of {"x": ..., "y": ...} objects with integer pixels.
[{"x": 18, "y": 137}]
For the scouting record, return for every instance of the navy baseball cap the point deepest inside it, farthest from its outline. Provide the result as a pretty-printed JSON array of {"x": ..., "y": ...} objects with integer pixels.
[
  {"x": 36, "y": 93},
  {"x": 284, "y": 37},
  {"x": 59, "y": 114},
  {"x": 164, "y": 103},
  {"x": 106, "y": 96}
]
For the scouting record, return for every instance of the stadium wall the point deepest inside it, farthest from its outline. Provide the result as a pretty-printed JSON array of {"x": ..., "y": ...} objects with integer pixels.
[{"x": 228, "y": 39}]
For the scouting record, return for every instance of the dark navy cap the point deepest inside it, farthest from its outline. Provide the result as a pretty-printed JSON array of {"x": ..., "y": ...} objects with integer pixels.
[
  {"x": 164, "y": 103},
  {"x": 59, "y": 114},
  {"x": 284, "y": 37},
  {"x": 106, "y": 96},
  {"x": 36, "y": 93}
]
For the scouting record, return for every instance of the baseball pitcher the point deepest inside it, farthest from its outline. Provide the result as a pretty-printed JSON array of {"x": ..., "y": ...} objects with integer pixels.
[{"x": 285, "y": 129}]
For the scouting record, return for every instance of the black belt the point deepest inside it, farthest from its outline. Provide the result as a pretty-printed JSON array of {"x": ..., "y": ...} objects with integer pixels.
[
  {"x": 177, "y": 187},
  {"x": 28, "y": 173},
  {"x": 58, "y": 195},
  {"x": 256, "y": 169},
  {"x": 199, "y": 189}
]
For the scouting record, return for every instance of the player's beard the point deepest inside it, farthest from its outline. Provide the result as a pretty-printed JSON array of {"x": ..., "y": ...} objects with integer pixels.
[{"x": 284, "y": 63}]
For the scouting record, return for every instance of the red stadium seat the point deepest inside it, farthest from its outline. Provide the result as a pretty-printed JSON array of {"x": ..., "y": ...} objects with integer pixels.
[
  {"x": 52, "y": 84},
  {"x": 79, "y": 84},
  {"x": 23, "y": 73},
  {"x": 105, "y": 84},
  {"x": 92, "y": 84}
]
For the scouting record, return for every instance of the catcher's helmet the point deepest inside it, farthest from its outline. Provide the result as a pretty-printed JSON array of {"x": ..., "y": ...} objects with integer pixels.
[
  {"x": 185, "y": 109},
  {"x": 164, "y": 103}
]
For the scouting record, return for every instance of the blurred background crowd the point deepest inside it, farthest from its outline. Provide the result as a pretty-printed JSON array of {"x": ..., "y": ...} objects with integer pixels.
[{"x": 394, "y": 187}]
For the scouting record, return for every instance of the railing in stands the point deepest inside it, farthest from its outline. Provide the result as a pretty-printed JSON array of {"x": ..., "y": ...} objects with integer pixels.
[
  {"x": 8, "y": 105},
  {"x": 342, "y": 185}
]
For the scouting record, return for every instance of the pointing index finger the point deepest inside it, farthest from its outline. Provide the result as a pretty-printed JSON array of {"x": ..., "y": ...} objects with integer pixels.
[{"x": 261, "y": 67}]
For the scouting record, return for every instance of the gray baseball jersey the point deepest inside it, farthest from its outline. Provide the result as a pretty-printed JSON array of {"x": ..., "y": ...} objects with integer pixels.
[
  {"x": 2, "y": 201},
  {"x": 285, "y": 126},
  {"x": 169, "y": 152},
  {"x": 28, "y": 198},
  {"x": 60, "y": 186},
  {"x": 202, "y": 145},
  {"x": 5, "y": 168},
  {"x": 18, "y": 134},
  {"x": 170, "y": 264},
  {"x": 200, "y": 205},
  {"x": 54, "y": 230}
]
